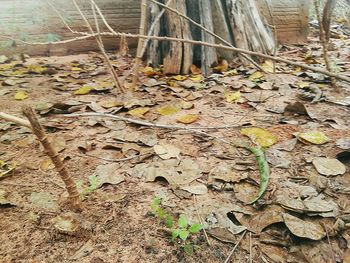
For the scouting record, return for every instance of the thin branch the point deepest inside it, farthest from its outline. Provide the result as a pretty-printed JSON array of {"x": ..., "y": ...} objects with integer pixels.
[
  {"x": 234, "y": 248},
  {"x": 195, "y": 42},
  {"x": 101, "y": 47},
  {"x": 14, "y": 119}
]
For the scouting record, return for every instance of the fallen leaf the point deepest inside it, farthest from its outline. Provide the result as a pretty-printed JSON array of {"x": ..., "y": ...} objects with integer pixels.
[
  {"x": 138, "y": 112},
  {"x": 304, "y": 229},
  {"x": 83, "y": 90},
  {"x": 43, "y": 200},
  {"x": 256, "y": 76},
  {"x": 168, "y": 110},
  {"x": 188, "y": 118},
  {"x": 329, "y": 167},
  {"x": 260, "y": 136},
  {"x": 195, "y": 70},
  {"x": 221, "y": 67},
  {"x": 167, "y": 151},
  {"x": 314, "y": 137},
  {"x": 343, "y": 143},
  {"x": 108, "y": 174},
  {"x": 268, "y": 66},
  {"x": 21, "y": 95},
  {"x": 179, "y": 77},
  {"x": 232, "y": 96},
  {"x": 196, "y": 188}
]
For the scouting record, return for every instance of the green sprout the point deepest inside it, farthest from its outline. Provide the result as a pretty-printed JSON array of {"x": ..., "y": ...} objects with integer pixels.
[
  {"x": 183, "y": 231},
  {"x": 85, "y": 191}
]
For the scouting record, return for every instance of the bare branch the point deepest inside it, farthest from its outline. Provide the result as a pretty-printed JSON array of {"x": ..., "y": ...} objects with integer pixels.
[{"x": 194, "y": 42}]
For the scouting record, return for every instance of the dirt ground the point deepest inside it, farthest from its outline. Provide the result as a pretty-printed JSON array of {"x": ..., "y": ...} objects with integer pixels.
[{"x": 117, "y": 224}]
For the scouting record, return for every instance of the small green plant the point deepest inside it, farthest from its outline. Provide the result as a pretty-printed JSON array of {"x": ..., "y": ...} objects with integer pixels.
[
  {"x": 183, "y": 230},
  {"x": 85, "y": 191}
]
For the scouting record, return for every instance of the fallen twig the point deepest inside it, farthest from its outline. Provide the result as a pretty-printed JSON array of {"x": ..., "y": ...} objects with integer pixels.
[
  {"x": 234, "y": 248},
  {"x": 14, "y": 119}
]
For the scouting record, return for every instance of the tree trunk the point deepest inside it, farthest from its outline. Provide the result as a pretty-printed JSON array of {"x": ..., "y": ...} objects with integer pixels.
[{"x": 236, "y": 21}]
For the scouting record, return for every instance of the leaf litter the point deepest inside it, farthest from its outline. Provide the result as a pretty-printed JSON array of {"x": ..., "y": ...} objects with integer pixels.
[{"x": 303, "y": 198}]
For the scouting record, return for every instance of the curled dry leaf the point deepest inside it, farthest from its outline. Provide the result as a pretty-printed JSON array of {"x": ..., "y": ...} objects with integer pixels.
[
  {"x": 302, "y": 228},
  {"x": 108, "y": 174}
]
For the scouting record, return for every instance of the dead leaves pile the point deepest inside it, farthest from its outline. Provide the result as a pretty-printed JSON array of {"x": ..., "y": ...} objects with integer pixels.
[{"x": 307, "y": 199}]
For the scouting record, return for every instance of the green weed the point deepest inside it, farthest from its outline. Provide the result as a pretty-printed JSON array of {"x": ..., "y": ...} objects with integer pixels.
[{"x": 181, "y": 231}]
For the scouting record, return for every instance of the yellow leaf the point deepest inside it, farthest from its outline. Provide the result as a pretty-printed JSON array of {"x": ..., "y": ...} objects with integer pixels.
[
  {"x": 221, "y": 67},
  {"x": 148, "y": 71},
  {"x": 21, "y": 95},
  {"x": 76, "y": 69},
  {"x": 188, "y": 118},
  {"x": 232, "y": 96},
  {"x": 260, "y": 136},
  {"x": 179, "y": 77},
  {"x": 268, "y": 66},
  {"x": 46, "y": 165},
  {"x": 231, "y": 72},
  {"x": 303, "y": 84},
  {"x": 196, "y": 78},
  {"x": 103, "y": 85},
  {"x": 36, "y": 68},
  {"x": 110, "y": 104},
  {"x": 138, "y": 112},
  {"x": 5, "y": 67},
  {"x": 83, "y": 90},
  {"x": 256, "y": 76},
  {"x": 195, "y": 70},
  {"x": 314, "y": 137},
  {"x": 168, "y": 110}
]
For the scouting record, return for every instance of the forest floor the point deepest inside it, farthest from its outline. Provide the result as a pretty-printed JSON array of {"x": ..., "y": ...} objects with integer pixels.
[{"x": 195, "y": 169}]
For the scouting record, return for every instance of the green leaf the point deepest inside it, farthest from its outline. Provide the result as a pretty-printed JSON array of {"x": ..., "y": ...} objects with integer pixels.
[
  {"x": 161, "y": 213},
  {"x": 182, "y": 221},
  {"x": 155, "y": 203},
  {"x": 175, "y": 234},
  {"x": 169, "y": 221},
  {"x": 93, "y": 182},
  {"x": 189, "y": 249},
  {"x": 184, "y": 233},
  {"x": 195, "y": 228}
]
